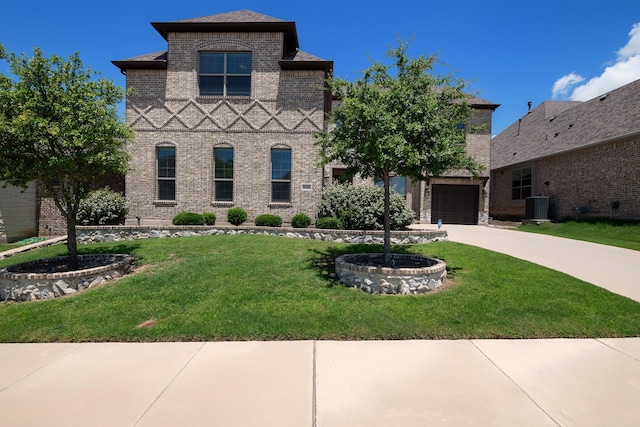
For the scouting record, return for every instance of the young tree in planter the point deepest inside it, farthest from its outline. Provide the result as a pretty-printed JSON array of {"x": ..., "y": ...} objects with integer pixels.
[
  {"x": 399, "y": 119},
  {"x": 59, "y": 127}
]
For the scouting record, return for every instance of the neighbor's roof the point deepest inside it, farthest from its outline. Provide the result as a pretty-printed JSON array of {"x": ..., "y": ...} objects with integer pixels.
[{"x": 554, "y": 127}]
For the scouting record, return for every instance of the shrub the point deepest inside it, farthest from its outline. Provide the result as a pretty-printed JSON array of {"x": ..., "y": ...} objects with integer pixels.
[
  {"x": 268, "y": 220},
  {"x": 236, "y": 216},
  {"x": 329, "y": 222},
  {"x": 103, "y": 207},
  {"x": 300, "y": 221},
  {"x": 362, "y": 207},
  {"x": 188, "y": 218},
  {"x": 209, "y": 218}
]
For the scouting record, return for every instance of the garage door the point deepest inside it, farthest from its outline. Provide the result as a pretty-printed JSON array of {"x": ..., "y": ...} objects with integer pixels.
[{"x": 455, "y": 204}]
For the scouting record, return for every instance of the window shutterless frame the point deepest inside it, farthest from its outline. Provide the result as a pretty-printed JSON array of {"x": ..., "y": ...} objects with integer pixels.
[
  {"x": 166, "y": 173},
  {"x": 521, "y": 182},
  {"x": 225, "y": 73},
  {"x": 280, "y": 175},
  {"x": 223, "y": 174}
]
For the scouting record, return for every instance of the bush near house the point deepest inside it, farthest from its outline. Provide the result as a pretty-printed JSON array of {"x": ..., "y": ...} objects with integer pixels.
[
  {"x": 209, "y": 218},
  {"x": 329, "y": 222},
  {"x": 103, "y": 207},
  {"x": 236, "y": 216},
  {"x": 362, "y": 207},
  {"x": 188, "y": 218},
  {"x": 268, "y": 220},
  {"x": 300, "y": 221}
]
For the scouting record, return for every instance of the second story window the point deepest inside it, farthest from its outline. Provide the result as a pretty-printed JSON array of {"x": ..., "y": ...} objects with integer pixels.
[{"x": 225, "y": 73}]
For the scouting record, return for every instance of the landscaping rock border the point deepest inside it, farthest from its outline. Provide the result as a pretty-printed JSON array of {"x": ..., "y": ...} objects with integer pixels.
[
  {"x": 428, "y": 275},
  {"x": 38, "y": 286},
  {"x": 88, "y": 234}
]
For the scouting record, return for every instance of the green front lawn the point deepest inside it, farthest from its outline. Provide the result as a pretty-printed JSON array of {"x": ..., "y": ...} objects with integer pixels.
[
  {"x": 607, "y": 233},
  {"x": 246, "y": 287}
]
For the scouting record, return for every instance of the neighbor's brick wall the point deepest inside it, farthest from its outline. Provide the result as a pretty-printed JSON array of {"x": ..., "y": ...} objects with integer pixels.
[
  {"x": 590, "y": 178},
  {"x": 593, "y": 177},
  {"x": 285, "y": 109}
]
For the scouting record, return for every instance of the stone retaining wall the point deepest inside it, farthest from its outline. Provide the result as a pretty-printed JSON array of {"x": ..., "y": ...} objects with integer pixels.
[
  {"x": 37, "y": 286},
  {"x": 123, "y": 233},
  {"x": 391, "y": 280}
]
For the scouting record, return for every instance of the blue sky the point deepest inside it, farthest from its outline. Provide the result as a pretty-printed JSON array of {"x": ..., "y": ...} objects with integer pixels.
[{"x": 511, "y": 51}]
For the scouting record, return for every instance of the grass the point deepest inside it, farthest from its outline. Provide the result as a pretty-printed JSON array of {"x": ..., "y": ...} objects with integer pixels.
[
  {"x": 246, "y": 287},
  {"x": 6, "y": 247},
  {"x": 623, "y": 235}
]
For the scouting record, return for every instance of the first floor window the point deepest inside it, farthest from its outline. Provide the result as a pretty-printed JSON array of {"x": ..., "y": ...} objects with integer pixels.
[
  {"x": 225, "y": 73},
  {"x": 223, "y": 175},
  {"x": 281, "y": 175},
  {"x": 521, "y": 180},
  {"x": 166, "y": 157}
]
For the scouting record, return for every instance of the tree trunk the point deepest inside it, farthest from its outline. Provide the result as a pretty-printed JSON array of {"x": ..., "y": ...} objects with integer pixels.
[
  {"x": 387, "y": 221},
  {"x": 72, "y": 242}
]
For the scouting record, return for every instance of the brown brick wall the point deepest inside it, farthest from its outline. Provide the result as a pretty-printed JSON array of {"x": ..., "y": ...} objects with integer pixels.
[
  {"x": 285, "y": 109},
  {"x": 588, "y": 178}
]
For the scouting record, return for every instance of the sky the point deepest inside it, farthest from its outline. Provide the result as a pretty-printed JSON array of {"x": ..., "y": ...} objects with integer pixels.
[{"x": 509, "y": 51}]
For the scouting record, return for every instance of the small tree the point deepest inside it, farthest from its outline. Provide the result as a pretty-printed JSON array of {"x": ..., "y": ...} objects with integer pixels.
[
  {"x": 59, "y": 127},
  {"x": 399, "y": 123}
]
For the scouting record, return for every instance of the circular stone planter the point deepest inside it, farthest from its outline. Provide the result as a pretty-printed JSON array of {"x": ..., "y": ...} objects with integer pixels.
[
  {"x": 411, "y": 274},
  {"x": 45, "y": 278}
]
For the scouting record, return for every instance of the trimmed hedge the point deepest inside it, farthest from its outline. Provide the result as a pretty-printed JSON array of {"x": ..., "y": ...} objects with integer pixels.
[
  {"x": 268, "y": 220},
  {"x": 330, "y": 222},
  {"x": 188, "y": 218},
  {"x": 300, "y": 221},
  {"x": 236, "y": 216},
  {"x": 209, "y": 218}
]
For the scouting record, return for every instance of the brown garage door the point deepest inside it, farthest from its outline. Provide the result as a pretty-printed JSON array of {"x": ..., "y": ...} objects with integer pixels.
[{"x": 455, "y": 204}]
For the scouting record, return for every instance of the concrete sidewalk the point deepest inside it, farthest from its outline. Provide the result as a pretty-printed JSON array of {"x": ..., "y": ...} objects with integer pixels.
[{"x": 325, "y": 384}]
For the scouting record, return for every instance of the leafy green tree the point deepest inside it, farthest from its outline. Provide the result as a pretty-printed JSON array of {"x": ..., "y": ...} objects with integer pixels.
[
  {"x": 59, "y": 127},
  {"x": 399, "y": 119}
]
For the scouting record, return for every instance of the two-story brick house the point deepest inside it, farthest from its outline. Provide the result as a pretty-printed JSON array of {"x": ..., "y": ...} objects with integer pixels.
[{"x": 226, "y": 117}]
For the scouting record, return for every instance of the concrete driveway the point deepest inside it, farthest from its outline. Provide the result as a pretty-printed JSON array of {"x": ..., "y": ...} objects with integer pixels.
[{"x": 615, "y": 269}]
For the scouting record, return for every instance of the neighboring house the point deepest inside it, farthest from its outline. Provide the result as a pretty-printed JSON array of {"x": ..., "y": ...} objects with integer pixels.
[
  {"x": 17, "y": 213},
  {"x": 585, "y": 156},
  {"x": 225, "y": 117}
]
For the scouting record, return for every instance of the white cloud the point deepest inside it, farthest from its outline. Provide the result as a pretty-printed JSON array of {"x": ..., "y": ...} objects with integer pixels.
[
  {"x": 562, "y": 86},
  {"x": 625, "y": 70},
  {"x": 633, "y": 46}
]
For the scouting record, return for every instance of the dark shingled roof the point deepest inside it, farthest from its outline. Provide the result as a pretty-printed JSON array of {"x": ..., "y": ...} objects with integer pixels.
[
  {"x": 561, "y": 126},
  {"x": 233, "y": 17},
  {"x": 239, "y": 21},
  {"x": 150, "y": 61}
]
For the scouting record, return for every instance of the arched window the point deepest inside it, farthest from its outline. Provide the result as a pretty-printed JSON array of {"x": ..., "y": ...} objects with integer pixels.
[
  {"x": 281, "y": 175},
  {"x": 166, "y": 173},
  {"x": 223, "y": 174}
]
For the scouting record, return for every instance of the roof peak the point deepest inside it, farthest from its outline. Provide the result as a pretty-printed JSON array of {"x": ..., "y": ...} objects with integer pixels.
[{"x": 238, "y": 16}]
